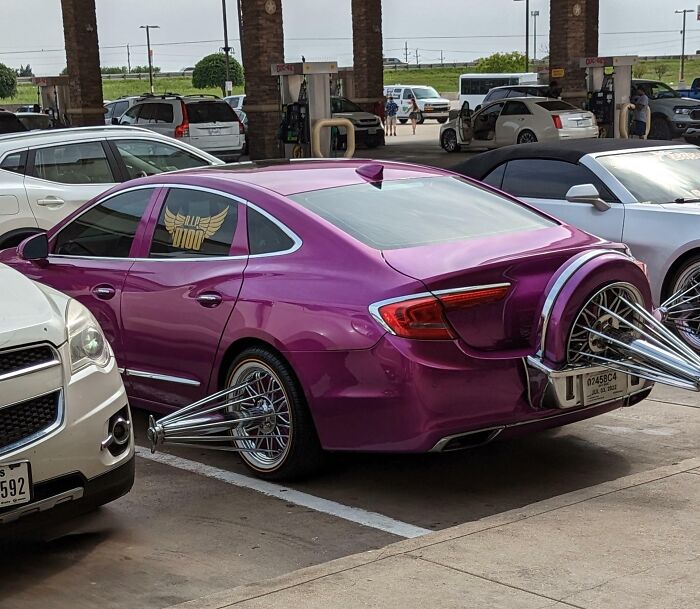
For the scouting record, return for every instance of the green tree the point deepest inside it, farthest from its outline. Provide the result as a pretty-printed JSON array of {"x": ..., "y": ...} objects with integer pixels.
[
  {"x": 501, "y": 62},
  {"x": 638, "y": 70},
  {"x": 210, "y": 71},
  {"x": 144, "y": 69},
  {"x": 661, "y": 70},
  {"x": 25, "y": 70},
  {"x": 114, "y": 70},
  {"x": 8, "y": 82}
]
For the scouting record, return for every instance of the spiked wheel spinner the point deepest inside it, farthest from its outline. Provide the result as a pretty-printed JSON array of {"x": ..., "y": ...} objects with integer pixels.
[
  {"x": 614, "y": 330},
  {"x": 681, "y": 311}
]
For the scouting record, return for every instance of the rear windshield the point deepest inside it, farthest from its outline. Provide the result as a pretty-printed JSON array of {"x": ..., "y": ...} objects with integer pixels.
[
  {"x": 556, "y": 105},
  {"x": 210, "y": 112},
  {"x": 420, "y": 211}
]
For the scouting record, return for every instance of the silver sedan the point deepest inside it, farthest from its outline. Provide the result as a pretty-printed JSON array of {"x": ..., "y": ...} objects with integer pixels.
[{"x": 520, "y": 120}]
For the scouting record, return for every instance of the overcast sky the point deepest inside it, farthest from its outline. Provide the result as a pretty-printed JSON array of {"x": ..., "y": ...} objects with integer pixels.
[{"x": 31, "y": 30}]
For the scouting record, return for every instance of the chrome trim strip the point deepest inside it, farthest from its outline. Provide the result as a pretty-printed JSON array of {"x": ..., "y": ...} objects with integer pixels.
[
  {"x": 559, "y": 286},
  {"x": 285, "y": 229},
  {"x": 43, "y": 505},
  {"x": 375, "y": 306},
  {"x": 39, "y": 434},
  {"x": 56, "y": 361},
  {"x": 161, "y": 377}
]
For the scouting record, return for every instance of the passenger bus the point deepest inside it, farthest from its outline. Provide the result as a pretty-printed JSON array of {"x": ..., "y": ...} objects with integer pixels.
[{"x": 473, "y": 87}]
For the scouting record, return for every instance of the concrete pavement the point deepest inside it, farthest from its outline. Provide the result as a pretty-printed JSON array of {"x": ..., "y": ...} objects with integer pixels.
[{"x": 632, "y": 543}]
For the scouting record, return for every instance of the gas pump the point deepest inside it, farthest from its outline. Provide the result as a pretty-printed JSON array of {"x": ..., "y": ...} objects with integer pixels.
[
  {"x": 305, "y": 94},
  {"x": 609, "y": 84}
]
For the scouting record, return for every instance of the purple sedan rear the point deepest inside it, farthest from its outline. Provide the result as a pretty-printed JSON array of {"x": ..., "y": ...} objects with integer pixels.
[{"x": 364, "y": 307}]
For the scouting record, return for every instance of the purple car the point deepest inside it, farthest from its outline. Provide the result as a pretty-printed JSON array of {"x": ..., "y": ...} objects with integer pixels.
[{"x": 359, "y": 306}]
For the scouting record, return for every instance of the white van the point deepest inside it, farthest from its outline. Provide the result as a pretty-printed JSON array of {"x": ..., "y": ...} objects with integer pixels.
[
  {"x": 428, "y": 99},
  {"x": 474, "y": 87}
]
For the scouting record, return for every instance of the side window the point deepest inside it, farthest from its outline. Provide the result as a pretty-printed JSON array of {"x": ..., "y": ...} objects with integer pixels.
[
  {"x": 107, "y": 229},
  {"x": 149, "y": 157},
  {"x": 109, "y": 111},
  {"x": 120, "y": 108},
  {"x": 15, "y": 162},
  {"x": 549, "y": 179},
  {"x": 131, "y": 115},
  {"x": 83, "y": 163},
  {"x": 496, "y": 94},
  {"x": 264, "y": 236},
  {"x": 194, "y": 224},
  {"x": 407, "y": 93},
  {"x": 495, "y": 178},
  {"x": 513, "y": 108},
  {"x": 155, "y": 113}
]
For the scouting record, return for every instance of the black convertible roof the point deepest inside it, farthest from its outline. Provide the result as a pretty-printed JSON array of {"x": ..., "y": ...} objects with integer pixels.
[{"x": 571, "y": 151}]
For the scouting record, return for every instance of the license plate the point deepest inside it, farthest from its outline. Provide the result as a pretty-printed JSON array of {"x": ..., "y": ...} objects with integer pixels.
[
  {"x": 215, "y": 131},
  {"x": 15, "y": 484},
  {"x": 371, "y": 131},
  {"x": 584, "y": 123},
  {"x": 603, "y": 386},
  {"x": 428, "y": 109}
]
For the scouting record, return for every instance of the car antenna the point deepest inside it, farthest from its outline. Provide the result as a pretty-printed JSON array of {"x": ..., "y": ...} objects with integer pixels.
[{"x": 372, "y": 172}]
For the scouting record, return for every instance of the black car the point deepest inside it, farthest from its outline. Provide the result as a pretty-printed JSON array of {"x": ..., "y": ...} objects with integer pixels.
[{"x": 9, "y": 123}]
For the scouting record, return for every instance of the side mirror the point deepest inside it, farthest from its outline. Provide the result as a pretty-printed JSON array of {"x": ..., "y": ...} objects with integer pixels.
[
  {"x": 115, "y": 120},
  {"x": 477, "y": 108},
  {"x": 587, "y": 193},
  {"x": 453, "y": 114},
  {"x": 35, "y": 247}
]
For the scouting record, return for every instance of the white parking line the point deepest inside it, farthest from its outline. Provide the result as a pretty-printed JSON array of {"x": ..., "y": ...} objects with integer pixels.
[{"x": 318, "y": 504}]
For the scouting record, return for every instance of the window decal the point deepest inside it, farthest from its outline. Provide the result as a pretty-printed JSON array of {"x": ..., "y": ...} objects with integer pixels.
[{"x": 189, "y": 232}]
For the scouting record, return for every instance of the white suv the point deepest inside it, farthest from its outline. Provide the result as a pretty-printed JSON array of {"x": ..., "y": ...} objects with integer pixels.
[
  {"x": 46, "y": 175},
  {"x": 431, "y": 104},
  {"x": 204, "y": 121},
  {"x": 65, "y": 428}
]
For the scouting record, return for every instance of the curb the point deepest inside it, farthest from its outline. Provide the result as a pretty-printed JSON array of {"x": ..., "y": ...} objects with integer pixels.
[{"x": 227, "y": 598}]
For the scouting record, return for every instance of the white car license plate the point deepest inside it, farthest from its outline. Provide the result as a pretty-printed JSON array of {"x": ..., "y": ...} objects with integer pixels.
[
  {"x": 215, "y": 131},
  {"x": 586, "y": 122},
  {"x": 15, "y": 484},
  {"x": 603, "y": 386}
]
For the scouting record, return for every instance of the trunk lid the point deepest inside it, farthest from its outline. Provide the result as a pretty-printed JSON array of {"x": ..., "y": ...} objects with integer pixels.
[
  {"x": 213, "y": 125},
  {"x": 575, "y": 119},
  {"x": 525, "y": 260}
]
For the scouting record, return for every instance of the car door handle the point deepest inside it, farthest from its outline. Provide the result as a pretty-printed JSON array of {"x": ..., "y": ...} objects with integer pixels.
[
  {"x": 209, "y": 299},
  {"x": 50, "y": 201},
  {"x": 104, "y": 292}
]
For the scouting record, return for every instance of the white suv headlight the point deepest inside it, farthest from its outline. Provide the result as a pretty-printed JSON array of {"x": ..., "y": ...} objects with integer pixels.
[{"x": 86, "y": 342}]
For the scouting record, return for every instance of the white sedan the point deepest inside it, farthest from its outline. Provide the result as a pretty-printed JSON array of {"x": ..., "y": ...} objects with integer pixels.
[
  {"x": 520, "y": 120},
  {"x": 65, "y": 428}
]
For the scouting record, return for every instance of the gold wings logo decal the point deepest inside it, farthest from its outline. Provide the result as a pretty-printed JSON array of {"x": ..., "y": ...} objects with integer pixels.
[{"x": 189, "y": 232}]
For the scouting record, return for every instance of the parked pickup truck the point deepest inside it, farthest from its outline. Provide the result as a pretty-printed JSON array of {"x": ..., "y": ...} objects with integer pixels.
[
  {"x": 672, "y": 115},
  {"x": 693, "y": 92}
]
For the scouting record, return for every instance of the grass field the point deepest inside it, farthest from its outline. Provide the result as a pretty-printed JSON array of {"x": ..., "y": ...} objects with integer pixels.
[{"x": 443, "y": 79}]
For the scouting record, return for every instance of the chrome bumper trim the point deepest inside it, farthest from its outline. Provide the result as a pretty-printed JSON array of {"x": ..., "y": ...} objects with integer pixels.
[{"x": 42, "y": 506}]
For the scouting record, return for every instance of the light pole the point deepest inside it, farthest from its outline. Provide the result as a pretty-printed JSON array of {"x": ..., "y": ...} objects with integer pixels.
[
  {"x": 684, "y": 12},
  {"x": 535, "y": 15},
  {"x": 148, "y": 29},
  {"x": 527, "y": 34},
  {"x": 227, "y": 49}
]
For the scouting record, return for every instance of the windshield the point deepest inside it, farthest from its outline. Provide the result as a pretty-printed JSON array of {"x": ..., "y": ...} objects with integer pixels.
[
  {"x": 340, "y": 104},
  {"x": 658, "y": 90},
  {"x": 657, "y": 176},
  {"x": 419, "y": 211},
  {"x": 210, "y": 112},
  {"x": 425, "y": 92}
]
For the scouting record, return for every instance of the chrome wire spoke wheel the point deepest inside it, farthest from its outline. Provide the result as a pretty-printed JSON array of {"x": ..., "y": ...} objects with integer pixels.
[
  {"x": 682, "y": 310},
  {"x": 606, "y": 313},
  {"x": 265, "y": 437}
]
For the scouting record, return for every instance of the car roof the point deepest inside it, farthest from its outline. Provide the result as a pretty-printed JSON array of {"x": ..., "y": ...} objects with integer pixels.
[
  {"x": 286, "y": 177},
  {"x": 71, "y": 134},
  {"x": 570, "y": 151},
  {"x": 523, "y": 86}
]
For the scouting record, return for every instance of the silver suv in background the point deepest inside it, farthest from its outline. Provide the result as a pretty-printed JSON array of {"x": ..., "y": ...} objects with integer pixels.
[
  {"x": 204, "y": 121},
  {"x": 114, "y": 109}
]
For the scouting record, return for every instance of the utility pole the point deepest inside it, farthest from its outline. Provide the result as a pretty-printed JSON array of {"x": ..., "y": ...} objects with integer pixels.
[
  {"x": 227, "y": 49},
  {"x": 535, "y": 15},
  {"x": 148, "y": 29},
  {"x": 417, "y": 63},
  {"x": 442, "y": 58},
  {"x": 128, "y": 59},
  {"x": 527, "y": 34},
  {"x": 406, "y": 51},
  {"x": 684, "y": 12}
]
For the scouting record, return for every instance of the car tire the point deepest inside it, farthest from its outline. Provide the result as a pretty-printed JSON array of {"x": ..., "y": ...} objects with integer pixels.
[
  {"x": 660, "y": 129},
  {"x": 449, "y": 141},
  {"x": 688, "y": 331},
  {"x": 442, "y": 121},
  {"x": 526, "y": 137},
  {"x": 289, "y": 437},
  {"x": 421, "y": 120},
  {"x": 403, "y": 121}
]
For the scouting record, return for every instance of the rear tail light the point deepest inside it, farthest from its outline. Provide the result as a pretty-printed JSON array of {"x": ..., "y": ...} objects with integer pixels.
[
  {"x": 557, "y": 120},
  {"x": 424, "y": 318},
  {"x": 183, "y": 129}
]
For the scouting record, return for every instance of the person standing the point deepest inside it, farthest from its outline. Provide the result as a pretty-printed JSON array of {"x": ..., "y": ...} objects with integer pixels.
[
  {"x": 554, "y": 90},
  {"x": 639, "y": 118},
  {"x": 414, "y": 114},
  {"x": 391, "y": 109}
]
